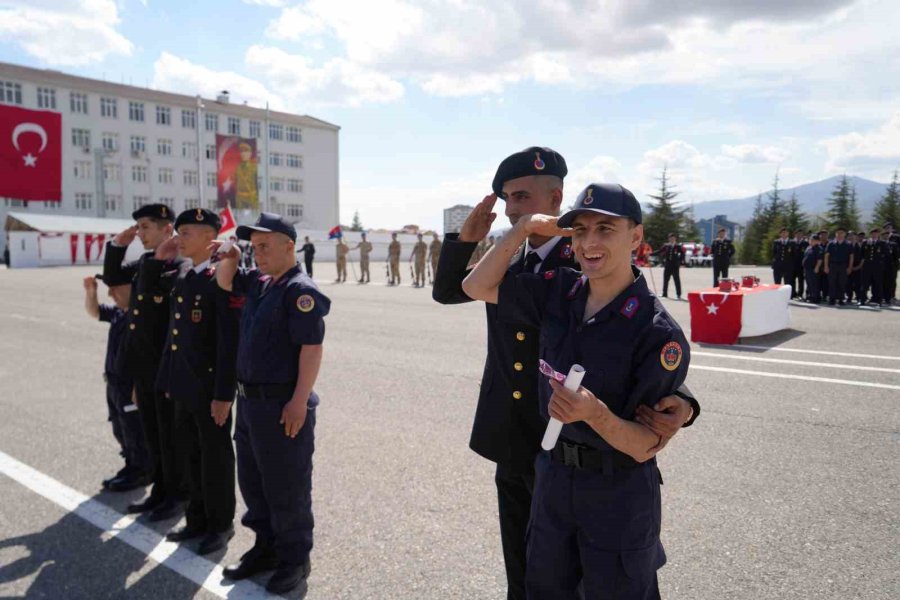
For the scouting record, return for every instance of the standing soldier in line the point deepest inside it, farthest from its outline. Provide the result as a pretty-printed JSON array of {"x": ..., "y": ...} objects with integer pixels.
[
  {"x": 197, "y": 373},
  {"x": 812, "y": 264},
  {"x": 419, "y": 252},
  {"x": 507, "y": 429},
  {"x": 365, "y": 249},
  {"x": 148, "y": 320},
  {"x": 876, "y": 255},
  {"x": 278, "y": 359},
  {"x": 309, "y": 252},
  {"x": 722, "y": 251},
  {"x": 341, "y": 251},
  {"x": 838, "y": 266},
  {"x": 890, "y": 271},
  {"x": 823, "y": 276},
  {"x": 672, "y": 256},
  {"x": 394, "y": 260},
  {"x": 797, "y": 277},
  {"x": 854, "y": 279},
  {"x": 781, "y": 258},
  {"x": 434, "y": 253}
]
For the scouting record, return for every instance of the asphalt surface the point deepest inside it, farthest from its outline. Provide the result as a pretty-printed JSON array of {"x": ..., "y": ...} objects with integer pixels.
[{"x": 784, "y": 488}]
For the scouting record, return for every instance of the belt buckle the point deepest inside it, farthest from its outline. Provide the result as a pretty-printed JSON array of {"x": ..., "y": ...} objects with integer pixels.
[{"x": 571, "y": 455}]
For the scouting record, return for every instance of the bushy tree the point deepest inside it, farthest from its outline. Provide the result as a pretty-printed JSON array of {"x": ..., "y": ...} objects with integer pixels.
[
  {"x": 888, "y": 207},
  {"x": 839, "y": 208},
  {"x": 664, "y": 216},
  {"x": 356, "y": 225}
]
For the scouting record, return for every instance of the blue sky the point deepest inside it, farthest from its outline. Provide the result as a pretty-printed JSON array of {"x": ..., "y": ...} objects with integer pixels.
[{"x": 431, "y": 95}]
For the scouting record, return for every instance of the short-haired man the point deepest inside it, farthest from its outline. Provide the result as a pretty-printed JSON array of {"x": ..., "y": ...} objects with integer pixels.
[{"x": 722, "y": 251}]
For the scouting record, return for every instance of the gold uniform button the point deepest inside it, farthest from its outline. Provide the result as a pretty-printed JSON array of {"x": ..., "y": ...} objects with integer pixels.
[
  {"x": 180, "y": 299},
  {"x": 520, "y": 336},
  {"x": 140, "y": 296},
  {"x": 518, "y": 366},
  {"x": 131, "y": 326},
  {"x": 174, "y": 332},
  {"x": 174, "y": 347},
  {"x": 517, "y": 395},
  {"x": 177, "y": 315},
  {"x": 137, "y": 312}
]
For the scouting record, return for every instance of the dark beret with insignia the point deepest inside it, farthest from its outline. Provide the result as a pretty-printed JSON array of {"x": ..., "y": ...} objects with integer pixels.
[
  {"x": 155, "y": 211},
  {"x": 119, "y": 277},
  {"x": 267, "y": 223},
  {"x": 530, "y": 161},
  {"x": 198, "y": 216},
  {"x": 606, "y": 199}
]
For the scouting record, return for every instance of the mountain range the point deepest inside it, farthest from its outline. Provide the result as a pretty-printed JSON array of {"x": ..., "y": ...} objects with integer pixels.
[{"x": 813, "y": 198}]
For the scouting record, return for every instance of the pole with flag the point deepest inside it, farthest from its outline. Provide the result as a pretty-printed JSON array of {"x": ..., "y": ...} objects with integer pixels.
[{"x": 228, "y": 222}]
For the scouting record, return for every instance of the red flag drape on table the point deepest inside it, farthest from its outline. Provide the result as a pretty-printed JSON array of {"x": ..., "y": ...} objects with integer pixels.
[
  {"x": 715, "y": 317},
  {"x": 30, "y": 154}
]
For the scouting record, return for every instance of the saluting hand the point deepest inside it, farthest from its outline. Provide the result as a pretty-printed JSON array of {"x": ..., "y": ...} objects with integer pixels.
[
  {"x": 167, "y": 250},
  {"x": 544, "y": 225},
  {"x": 293, "y": 416},
  {"x": 570, "y": 407},
  {"x": 233, "y": 253},
  {"x": 219, "y": 410},
  {"x": 126, "y": 237},
  {"x": 478, "y": 223}
]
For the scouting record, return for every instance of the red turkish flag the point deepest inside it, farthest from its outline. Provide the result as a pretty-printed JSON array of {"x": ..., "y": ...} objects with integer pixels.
[
  {"x": 715, "y": 317},
  {"x": 228, "y": 222},
  {"x": 30, "y": 154}
]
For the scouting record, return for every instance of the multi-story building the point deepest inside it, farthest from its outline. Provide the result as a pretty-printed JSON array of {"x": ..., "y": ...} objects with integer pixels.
[
  {"x": 709, "y": 229},
  {"x": 455, "y": 216},
  {"x": 125, "y": 146}
]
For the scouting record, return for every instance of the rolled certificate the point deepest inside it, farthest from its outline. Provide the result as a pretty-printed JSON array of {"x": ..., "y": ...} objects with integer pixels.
[
  {"x": 554, "y": 427},
  {"x": 224, "y": 247}
]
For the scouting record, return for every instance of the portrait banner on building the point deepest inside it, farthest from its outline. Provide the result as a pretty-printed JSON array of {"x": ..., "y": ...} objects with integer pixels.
[
  {"x": 237, "y": 161},
  {"x": 31, "y": 154}
]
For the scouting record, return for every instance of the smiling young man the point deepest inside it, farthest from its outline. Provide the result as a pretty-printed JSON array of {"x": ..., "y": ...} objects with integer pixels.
[{"x": 595, "y": 519}]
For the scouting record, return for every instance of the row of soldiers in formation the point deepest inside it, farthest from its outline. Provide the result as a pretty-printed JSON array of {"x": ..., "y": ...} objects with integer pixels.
[
  {"x": 850, "y": 267},
  {"x": 421, "y": 255}
]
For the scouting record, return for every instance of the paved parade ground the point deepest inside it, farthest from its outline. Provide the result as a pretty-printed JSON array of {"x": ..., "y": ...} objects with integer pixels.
[{"x": 787, "y": 486}]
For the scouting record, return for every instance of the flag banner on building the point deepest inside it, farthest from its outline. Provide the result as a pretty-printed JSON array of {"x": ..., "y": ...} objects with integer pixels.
[
  {"x": 335, "y": 233},
  {"x": 228, "y": 222},
  {"x": 237, "y": 161},
  {"x": 30, "y": 154}
]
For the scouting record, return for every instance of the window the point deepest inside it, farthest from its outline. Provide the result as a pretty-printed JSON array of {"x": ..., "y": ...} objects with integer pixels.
[
  {"x": 10, "y": 93},
  {"x": 211, "y": 179},
  {"x": 139, "y": 201},
  {"x": 51, "y": 205},
  {"x": 113, "y": 202},
  {"x": 212, "y": 204},
  {"x": 234, "y": 126},
  {"x": 294, "y": 135},
  {"x": 15, "y": 203},
  {"x": 188, "y": 119},
  {"x": 255, "y": 129},
  {"x": 275, "y": 159},
  {"x": 136, "y": 111},
  {"x": 138, "y": 145},
  {"x": 139, "y": 174},
  {"x": 212, "y": 122},
  {"x": 46, "y": 98},
  {"x": 109, "y": 108},
  {"x": 163, "y": 115},
  {"x": 83, "y": 201},
  {"x": 81, "y": 138},
  {"x": 165, "y": 176},
  {"x": 110, "y": 141},
  {"x": 188, "y": 150},
  {"x": 112, "y": 172},
  {"x": 164, "y": 147},
  {"x": 211, "y": 151},
  {"x": 276, "y": 184},
  {"x": 276, "y": 131},
  {"x": 294, "y": 210},
  {"x": 83, "y": 169},
  {"x": 294, "y": 185},
  {"x": 191, "y": 203},
  {"x": 191, "y": 178},
  {"x": 167, "y": 201},
  {"x": 295, "y": 161},
  {"x": 78, "y": 103}
]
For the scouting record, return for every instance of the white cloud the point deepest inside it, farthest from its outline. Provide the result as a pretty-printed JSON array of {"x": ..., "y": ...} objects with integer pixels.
[
  {"x": 753, "y": 153},
  {"x": 600, "y": 169},
  {"x": 64, "y": 33},
  {"x": 275, "y": 3},
  {"x": 875, "y": 152}
]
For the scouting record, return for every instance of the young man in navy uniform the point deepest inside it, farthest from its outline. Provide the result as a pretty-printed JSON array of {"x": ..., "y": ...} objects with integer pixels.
[
  {"x": 876, "y": 256},
  {"x": 890, "y": 272},
  {"x": 148, "y": 320},
  {"x": 672, "y": 256},
  {"x": 782, "y": 258},
  {"x": 798, "y": 279},
  {"x": 722, "y": 251},
  {"x": 812, "y": 265},
  {"x": 838, "y": 266},
  {"x": 507, "y": 428},
  {"x": 595, "y": 522},
  {"x": 279, "y": 354},
  {"x": 197, "y": 374}
]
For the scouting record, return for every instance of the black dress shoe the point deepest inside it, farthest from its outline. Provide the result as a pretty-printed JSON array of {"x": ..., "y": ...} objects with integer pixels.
[
  {"x": 129, "y": 481},
  {"x": 149, "y": 503},
  {"x": 257, "y": 560},
  {"x": 188, "y": 532},
  {"x": 122, "y": 472},
  {"x": 287, "y": 577},
  {"x": 215, "y": 540},
  {"x": 167, "y": 510}
]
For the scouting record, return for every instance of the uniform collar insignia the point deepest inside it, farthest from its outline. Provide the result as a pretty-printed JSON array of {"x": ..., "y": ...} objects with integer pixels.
[
  {"x": 579, "y": 283},
  {"x": 630, "y": 307}
]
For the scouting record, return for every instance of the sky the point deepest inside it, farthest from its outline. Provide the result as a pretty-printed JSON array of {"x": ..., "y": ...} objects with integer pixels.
[{"x": 431, "y": 95}]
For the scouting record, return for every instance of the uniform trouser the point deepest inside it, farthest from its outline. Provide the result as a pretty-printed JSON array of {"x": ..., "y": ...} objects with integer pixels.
[
  {"x": 813, "y": 292},
  {"x": 308, "y": 262},
  {"x": 720, "y": 269},
  {"x": 514, "y": 489},
  {"x": 597, "y": 527},
  {"x": 823, "y": 283},
  {"x": 796, "y": 282},
  {"x": 395, "y": 270},
  {"x": 854, "y": 282},
  {"x": 364, "y": 269},
  {"x": 872, "y": 276},
  {"x": 158, "y": 419},
  {"x": 420, "y": 271},
  {"x": 779, "y": 273},
  {"x": 342, "y": 269},
  {"x": 837, "y": 282},
  {"x": 127, "y": 427},
  {"x": 890, "y": 282},
  {"x": 209, "y": 456},
  {"x": 275, "y": 476},
  {"x": 674, "y": 273},
  {"x": 434, "y": 264}
]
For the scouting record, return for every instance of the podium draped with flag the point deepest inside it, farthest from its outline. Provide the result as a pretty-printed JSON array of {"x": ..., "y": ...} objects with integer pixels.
[{"x": 723, "y": 317}]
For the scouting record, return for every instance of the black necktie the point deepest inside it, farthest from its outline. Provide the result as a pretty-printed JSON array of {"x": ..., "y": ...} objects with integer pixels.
[{"x": 532, "y": 259}]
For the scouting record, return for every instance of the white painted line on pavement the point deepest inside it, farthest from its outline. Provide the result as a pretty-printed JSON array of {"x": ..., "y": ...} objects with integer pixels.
[
  {"x": 201, "y": 571},
  {"x": 802, "y": 363},
  {"x": 801, "y": 351},
  {"x": 797, "y": 377}
]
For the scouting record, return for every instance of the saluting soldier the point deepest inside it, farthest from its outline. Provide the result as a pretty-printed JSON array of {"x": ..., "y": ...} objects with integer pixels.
[
  {"x": 782, "y": 257},
  {"x": 148, "y": 319},
  {"x": 434, "y": 254},
  {"x": 507, "y": 428},
  {"x": 722, "y": 251},
  {"x": 394, "y": 260},
  {"x": 197, "y": 373},
  {"x": 838, "y": 266},
  {"x": 672, "y": 257},
  {"x": 419, "y": 252},
  {"x": 279, "y": 355},
  {"x": 341, "y": 251},
  {"x": 365, "y": 249}
]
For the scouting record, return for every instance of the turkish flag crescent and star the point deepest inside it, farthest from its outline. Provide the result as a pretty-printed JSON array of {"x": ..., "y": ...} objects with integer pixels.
[
  {"x": 228, "y": 222},
  {"x": 30, "y": 154},
  {"x": 715, "y": 318}
]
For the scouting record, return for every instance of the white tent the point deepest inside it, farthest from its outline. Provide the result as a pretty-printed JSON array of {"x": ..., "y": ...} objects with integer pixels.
[{"x": 43, "y": 240}]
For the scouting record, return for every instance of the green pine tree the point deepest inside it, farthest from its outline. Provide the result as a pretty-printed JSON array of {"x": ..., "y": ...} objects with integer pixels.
[
  {"x": 794, "y": 218},
  {"x": 839, "y": 206},
  {"x": 756, "y": 230},
  {"x": 664, "y": 216},
  {"x": 356, "y": 225},
  {"x": 853, "y": 211},
  {"x": 887, "y": 209}
]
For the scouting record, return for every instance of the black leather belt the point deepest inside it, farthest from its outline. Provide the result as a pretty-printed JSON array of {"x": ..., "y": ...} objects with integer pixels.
[
  {"x": 582, "y": 456},
  {"x": 263, "y": 391}
]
